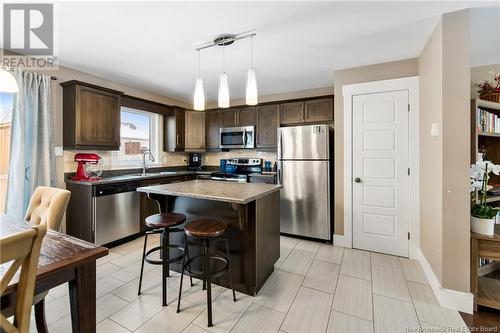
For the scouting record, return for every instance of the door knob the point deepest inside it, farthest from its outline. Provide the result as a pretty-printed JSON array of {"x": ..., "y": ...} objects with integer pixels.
[{"x": 357, "y": 180}]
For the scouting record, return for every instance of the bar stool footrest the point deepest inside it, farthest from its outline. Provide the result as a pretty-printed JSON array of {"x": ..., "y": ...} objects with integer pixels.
[
  {"x": 201, "y": 275},
  {"x": 160, "y": 262}
]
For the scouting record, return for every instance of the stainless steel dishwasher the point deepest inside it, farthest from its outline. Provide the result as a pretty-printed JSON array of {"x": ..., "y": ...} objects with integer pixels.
[{"x": 116, "y": 209}]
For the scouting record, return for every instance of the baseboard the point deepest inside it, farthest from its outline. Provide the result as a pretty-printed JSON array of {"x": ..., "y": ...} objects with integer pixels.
[
  {"x": 448, "y": 298},
  {"x": 341, "y": 240}
]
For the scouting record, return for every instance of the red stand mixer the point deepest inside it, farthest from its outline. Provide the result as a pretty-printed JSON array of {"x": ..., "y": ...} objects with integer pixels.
[{"x": 82, "y": 171}]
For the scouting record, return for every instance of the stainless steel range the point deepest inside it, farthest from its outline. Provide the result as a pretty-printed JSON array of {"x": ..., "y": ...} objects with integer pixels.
[{"x": 238, "y": 169}]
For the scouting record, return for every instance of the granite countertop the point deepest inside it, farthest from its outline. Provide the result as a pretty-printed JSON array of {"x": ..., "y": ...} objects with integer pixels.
[
  {"x": 240, "y": 193},
  {"x": 138, "y": 176}
]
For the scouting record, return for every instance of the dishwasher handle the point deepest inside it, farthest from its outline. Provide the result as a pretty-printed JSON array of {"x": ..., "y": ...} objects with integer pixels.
[{"x": 110, "y": 189}]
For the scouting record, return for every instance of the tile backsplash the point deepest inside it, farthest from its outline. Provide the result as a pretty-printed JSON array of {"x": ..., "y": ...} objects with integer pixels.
[
  {"x": 212, "y": 158},
  {"x": 172, "y": 159},
  {"x": 165, "y": 160}
]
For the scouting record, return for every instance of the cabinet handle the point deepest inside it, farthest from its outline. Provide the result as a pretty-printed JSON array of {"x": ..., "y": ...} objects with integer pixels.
[
  {"x": 177, "y": 139},
  {"x": 235, "y": 121}
]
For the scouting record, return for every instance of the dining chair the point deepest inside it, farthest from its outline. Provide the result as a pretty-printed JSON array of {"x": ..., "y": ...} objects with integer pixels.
[
  {"x": 47, "y": 206},
  {"x": 23, "y": 250}
]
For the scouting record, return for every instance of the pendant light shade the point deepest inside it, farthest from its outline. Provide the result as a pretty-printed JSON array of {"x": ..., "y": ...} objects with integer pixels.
[
  {"x": 199, "y": 92},
  {"x": 251, "y": 88},
  {"x": 223, "y": 91},
  {"x": 199, "y": 96},
  {"x": 8, "y": 83}
]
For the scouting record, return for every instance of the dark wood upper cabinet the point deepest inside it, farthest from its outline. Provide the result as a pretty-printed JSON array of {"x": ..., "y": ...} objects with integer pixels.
[
  {"x": 173, "y": 131},
  {"x": 267, "y": 125},
  {"x": 292, "y": 113},
  {"x": 319, "y": 110},
  {"x": 234, "y": 117},
  {"x": 212, "y": 125},
  {"x": 246, "y": 116},
  {"x": 194, "y": 131},
  {"x": 91, "y": 116},
  {"x": 228, "y": 118}
]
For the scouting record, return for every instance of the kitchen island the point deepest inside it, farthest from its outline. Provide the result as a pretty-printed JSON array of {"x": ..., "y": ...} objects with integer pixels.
[{"x": 252, "y": 211}]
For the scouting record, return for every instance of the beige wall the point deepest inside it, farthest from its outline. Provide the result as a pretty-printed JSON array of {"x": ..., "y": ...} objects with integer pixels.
[
  {"x": 456, "y": 150},
  {"x": 431, "y": 165},
  {"x": 480, "y": 73},
  {"x": 389, "y": 70},
  {"x": 444, "y": 201}
]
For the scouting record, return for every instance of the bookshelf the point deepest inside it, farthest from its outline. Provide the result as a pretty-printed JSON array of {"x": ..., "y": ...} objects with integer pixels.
[{"x": 485, "y": 141}]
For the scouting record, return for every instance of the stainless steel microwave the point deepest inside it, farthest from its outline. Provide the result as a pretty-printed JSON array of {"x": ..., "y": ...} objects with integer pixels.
[{"x": 237, "y": 137}]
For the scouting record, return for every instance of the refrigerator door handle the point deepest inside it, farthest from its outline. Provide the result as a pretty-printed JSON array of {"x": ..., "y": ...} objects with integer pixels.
[
  {"x": 280, "y": 145},
  {"x": 280, "y": 173}
]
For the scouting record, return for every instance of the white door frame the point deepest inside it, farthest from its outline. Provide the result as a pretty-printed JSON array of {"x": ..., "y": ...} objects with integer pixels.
[{"x": 412, "y": 85}]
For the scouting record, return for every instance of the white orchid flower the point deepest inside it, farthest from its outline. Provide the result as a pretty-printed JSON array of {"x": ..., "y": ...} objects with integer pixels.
[{"x": 496, "y": 169}]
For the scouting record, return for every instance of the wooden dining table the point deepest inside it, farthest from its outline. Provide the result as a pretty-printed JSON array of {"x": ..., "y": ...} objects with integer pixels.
[{"x": 62, "y": 259}]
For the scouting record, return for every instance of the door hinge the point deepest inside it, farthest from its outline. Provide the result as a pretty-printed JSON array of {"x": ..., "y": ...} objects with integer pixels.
[
  {"x": 408, "y": 236},
  {"x": 409, "y": 172},
  {"x": 408, "y": 107}
]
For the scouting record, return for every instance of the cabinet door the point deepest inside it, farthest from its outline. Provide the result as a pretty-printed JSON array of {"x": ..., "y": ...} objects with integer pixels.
[
  {"x": 194, "y": 130},
  {"x": 97, "y": 120},
  {"x": 267, "y": 125},
  {"x": 228, "y": 118},
  {"x": 180, "y": 142},
  {"x": 319, "y": 110},
  {"x": 292, "y": 113},
  {"x": 212, "y": 136},
  {"x": 246, "y": 116}
]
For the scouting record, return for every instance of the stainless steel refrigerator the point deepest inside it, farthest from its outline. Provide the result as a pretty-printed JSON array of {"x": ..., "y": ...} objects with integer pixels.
[{"x": 304, "y": 170}]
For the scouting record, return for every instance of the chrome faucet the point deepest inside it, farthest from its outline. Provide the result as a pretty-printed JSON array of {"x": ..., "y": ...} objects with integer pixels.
[{"x": 151, "y": 158}]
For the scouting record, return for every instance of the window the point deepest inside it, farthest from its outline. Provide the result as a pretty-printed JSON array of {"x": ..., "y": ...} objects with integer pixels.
[
  {"x": 6, "y": 105},
  {"x": 139, "y": 132}
]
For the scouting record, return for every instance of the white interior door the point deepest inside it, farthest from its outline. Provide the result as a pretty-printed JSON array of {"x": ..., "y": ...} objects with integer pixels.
[{"x": 380, "y": 170}]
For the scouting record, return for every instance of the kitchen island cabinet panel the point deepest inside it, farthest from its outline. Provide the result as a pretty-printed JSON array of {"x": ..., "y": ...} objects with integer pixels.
[{"x": 251, "y": 210}]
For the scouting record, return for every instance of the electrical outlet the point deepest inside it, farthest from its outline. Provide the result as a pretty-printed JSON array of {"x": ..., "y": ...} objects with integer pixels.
[{"x": 58, "y": 151}]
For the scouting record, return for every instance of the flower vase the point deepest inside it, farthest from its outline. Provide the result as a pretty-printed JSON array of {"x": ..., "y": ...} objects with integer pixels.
[{"x": 482, "y": 226}]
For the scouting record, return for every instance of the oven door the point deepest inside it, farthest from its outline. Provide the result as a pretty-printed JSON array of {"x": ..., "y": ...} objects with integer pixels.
[{"x": 237, "y": 137}]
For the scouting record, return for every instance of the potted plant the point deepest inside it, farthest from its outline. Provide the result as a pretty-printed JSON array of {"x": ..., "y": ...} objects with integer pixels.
[
  {"x": 482, "y": 215},
  {"x": 490, "y": 90}
]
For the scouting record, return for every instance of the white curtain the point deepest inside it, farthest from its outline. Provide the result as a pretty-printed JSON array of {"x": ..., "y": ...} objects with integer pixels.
[{"x": 32, "y": 159}]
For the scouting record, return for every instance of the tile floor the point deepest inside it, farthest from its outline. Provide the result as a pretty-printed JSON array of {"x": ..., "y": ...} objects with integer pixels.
[{"x": 315, "y": 288}]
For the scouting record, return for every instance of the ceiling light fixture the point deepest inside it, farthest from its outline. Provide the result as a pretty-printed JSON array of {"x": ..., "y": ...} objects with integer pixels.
[
  {"x": 8, "y": 83},
  {"x": 251, "y": 87},
  {"x": 223, "y": 93},
  {"x": 199, "y": 93}
]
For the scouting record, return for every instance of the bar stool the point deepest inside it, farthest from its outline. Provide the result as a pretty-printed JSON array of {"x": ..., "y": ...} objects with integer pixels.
[
  {"x": 163, "y": 224},
  {"x": 205, "y": 230}
]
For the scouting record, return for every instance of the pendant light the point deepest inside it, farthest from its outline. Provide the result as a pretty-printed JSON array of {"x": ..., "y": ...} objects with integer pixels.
[
  {"x": 199, "y": 93},
  {"x": 223, "y": 84},
  {"x": 251, "y": 86},
  {"x": 8, "y": 83}
]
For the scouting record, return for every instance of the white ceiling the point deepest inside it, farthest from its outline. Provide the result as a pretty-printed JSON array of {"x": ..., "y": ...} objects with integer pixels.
[{"x": 298, "y": 46}]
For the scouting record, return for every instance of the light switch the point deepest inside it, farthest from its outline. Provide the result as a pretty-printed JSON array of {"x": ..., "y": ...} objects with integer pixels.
[
  {"x": 435, "y": 129},
  {"x": 58, "y": 151}
]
